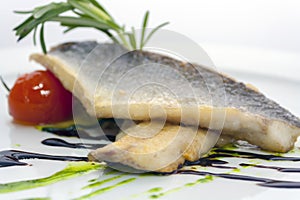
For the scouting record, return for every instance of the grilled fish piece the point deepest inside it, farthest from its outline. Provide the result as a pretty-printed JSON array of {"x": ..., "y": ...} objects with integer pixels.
[
  {"x": 144, "y": 148},
  {"x": 157, "y": 147},
  {"x": 112, "y": 82}
]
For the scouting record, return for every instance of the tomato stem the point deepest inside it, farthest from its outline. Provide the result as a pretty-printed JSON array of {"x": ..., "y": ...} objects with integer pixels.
[{"x": 4, "y": 84}]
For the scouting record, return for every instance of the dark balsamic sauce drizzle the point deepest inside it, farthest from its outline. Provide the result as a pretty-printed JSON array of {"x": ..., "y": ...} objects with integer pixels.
[
  {"x": 281, "y": 169},
  {"x": 13, "y": 157},
  {"x": 207, "y": 162},
  {"x": 62, "y": 143},
  {"x": 214, "y": 161},
  {"x": 74, "y": 133},
  {"x": 241, "y": 154},
  {"x": 261, "y": 181}
]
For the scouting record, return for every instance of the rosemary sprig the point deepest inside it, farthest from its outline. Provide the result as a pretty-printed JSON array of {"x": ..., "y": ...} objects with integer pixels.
[{"x": 74, "y": 14}]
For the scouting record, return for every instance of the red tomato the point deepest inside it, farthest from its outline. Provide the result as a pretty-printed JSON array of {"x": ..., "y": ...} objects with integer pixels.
[{"x": 39, "y": 97}]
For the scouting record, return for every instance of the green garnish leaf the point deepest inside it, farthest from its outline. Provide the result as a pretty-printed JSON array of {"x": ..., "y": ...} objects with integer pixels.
[
  {"x": 153, "y": 31},
  {"x": 23, "y": 12},
  {"x": 42, "y": 39},
  {"x": 75, "y": 14},
  {"x": 73, "y": 22},
  {"x": 132, "y": 38},
  {"x": 144, "y": 27},
  {"x": 34, "y": 36}
]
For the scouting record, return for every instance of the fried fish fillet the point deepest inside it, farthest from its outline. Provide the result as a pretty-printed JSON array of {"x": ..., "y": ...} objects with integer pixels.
[
  {"x": 138, "y": 85},
  {"x": 143, "y": 147}
]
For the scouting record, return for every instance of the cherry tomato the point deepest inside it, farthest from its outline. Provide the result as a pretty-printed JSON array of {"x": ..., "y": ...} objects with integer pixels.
[{"x": 39, "y": 97}]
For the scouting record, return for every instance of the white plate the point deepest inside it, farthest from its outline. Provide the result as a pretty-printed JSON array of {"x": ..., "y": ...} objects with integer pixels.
[{"x": 284, "y": 89}]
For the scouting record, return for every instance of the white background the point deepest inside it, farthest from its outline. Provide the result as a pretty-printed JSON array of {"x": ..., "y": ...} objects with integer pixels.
[{"x": 270, "y": 24}]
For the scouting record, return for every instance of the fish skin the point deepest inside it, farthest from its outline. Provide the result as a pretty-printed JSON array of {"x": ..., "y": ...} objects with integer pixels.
[{"x": 237, "y": 109}]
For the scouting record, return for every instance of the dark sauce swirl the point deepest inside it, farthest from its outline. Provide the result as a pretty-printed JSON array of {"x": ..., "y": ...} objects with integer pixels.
[
  {"x": 13, "y": 157},
  {"x": 261, "y": 181},
  {"x": 62, "y": 143}
]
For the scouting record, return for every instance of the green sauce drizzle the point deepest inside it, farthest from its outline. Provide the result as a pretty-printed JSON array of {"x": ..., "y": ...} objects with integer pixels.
[
  {"x": 98, "y": 183},
  {"x": 105, "y": 189},
  {"x": 202, "y": 180},
  {"x": 72, "y": 170},
  {"x": 156, "y": 189},
  {"x": 150, "y": 191}
]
